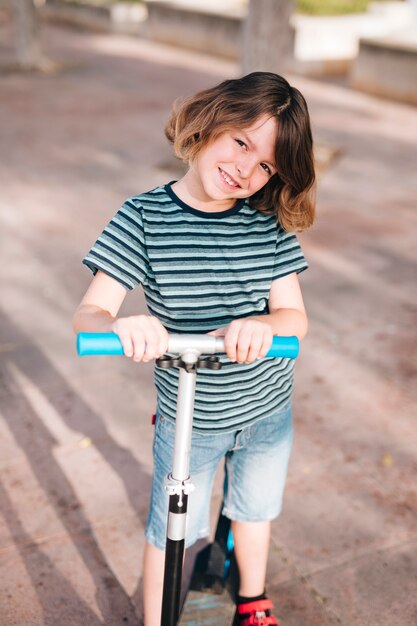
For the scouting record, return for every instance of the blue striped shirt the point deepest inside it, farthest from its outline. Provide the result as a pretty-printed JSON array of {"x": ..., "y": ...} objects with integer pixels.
[{"x": 200, "y": 271}]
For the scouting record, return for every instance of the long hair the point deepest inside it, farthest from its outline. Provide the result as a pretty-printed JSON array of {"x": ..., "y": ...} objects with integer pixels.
[{"x": 238, "y": 103}]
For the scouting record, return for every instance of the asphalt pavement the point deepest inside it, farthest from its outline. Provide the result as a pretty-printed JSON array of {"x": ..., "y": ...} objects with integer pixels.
[{"x": 75, "y": 434}]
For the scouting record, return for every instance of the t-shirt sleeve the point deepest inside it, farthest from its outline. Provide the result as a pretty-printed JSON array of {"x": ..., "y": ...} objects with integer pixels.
[
  {"x": 120, "y": 251},
  {"x": 289, "y": 257}
]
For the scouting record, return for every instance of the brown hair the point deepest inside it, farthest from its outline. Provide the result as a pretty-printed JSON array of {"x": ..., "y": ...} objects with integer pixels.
[{"x": 237, "y": 103}]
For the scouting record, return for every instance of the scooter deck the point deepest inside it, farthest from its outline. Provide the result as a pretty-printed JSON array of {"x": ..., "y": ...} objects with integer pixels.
[
  {"x": 209, "y": 601},
  {"x": 206, "y": 609}
]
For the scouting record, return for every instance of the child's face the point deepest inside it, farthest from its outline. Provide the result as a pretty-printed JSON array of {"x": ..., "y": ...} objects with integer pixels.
[{"x": 239, "y": 162}]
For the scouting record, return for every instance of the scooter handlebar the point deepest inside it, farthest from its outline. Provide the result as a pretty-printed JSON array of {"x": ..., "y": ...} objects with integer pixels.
[{"x": 89, "y": 344}]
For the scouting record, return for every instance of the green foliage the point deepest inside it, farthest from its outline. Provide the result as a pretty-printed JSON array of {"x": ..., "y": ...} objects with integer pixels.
[{"x": 332, "y": 7}]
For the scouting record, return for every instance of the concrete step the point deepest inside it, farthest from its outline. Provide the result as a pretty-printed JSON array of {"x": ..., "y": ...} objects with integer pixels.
[{"x": 387, "y": 66}]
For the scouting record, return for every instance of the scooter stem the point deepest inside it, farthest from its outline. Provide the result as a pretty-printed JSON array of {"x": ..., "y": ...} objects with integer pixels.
[{"x": 178, "y": 486}]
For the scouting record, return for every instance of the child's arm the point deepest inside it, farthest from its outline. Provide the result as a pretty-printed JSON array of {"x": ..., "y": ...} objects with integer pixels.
[
  {"x": 143, "y": 337},
  {"x": 287, "y": 315},
  {"x": 250, "y": 338}
]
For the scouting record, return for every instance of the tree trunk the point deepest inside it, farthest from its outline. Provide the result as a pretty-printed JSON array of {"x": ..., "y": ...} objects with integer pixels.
[
  {"x": 268, "y": 38},
  {"x": 29, "y": 54}
]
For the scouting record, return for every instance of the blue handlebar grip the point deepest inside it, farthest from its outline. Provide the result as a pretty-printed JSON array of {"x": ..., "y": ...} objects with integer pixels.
[
  {"x": 89, "y": 344},
  {"x": 284, "y": 347}
]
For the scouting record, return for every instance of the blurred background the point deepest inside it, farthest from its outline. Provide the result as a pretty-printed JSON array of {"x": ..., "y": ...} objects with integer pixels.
[{"x": 85, "y": 89}]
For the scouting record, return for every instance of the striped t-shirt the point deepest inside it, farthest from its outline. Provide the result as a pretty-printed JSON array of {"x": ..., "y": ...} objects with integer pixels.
[{"x": 200, "y": 271}]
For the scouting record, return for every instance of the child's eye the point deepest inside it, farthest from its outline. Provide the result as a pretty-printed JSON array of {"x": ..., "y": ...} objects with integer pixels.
[
  {"x": 266, "y": 168},
  {"x": 241, "y": 143}
]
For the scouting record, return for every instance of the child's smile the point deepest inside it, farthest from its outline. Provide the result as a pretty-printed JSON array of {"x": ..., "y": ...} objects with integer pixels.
[{"x": 230, "y": 182}]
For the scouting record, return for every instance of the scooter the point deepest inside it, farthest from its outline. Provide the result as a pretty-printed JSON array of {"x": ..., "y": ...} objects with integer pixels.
[{"x": 189, "y": 353}]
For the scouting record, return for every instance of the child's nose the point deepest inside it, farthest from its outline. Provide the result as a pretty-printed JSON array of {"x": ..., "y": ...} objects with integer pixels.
[{"x": 245, "y": 166}]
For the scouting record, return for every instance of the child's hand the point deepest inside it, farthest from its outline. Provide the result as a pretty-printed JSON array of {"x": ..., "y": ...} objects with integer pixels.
[
  {"x": 246, "y": 339},
  {"x": 143, "y": 337}
]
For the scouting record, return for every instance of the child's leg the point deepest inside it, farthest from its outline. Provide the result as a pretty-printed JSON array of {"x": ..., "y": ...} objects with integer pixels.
[
  {"x": 256, "y": 470},
  {"x": 153, "y": 579},
  {"x": 251, "y": 550}
]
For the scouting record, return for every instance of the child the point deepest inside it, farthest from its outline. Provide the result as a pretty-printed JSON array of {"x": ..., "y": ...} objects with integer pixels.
[{"x": 214, "y": 252}]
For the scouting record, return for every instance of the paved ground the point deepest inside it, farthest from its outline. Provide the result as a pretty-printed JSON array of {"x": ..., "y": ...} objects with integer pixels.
[{"x": 75, "y": 437}]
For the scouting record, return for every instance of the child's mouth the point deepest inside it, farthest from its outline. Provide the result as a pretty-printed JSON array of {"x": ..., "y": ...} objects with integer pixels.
[{"x": 230, "y": 182}]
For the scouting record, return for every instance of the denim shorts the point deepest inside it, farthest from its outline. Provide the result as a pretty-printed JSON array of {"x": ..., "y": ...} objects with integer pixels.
[{"x": 255, "y": 462}]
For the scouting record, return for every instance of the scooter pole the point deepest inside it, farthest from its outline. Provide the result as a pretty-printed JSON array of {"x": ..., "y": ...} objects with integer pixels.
[{"x": 178, "y": 484}]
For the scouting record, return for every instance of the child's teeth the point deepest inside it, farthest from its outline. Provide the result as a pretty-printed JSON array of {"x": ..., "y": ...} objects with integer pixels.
[{"x": 229, "y": 180}]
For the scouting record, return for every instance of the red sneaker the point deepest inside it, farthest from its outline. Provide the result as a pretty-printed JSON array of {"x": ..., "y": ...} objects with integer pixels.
[{"x": 257, "y": 613}]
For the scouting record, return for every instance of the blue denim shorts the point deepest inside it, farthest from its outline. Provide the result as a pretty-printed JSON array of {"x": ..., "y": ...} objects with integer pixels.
[{"x": 255, "y": 462}]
